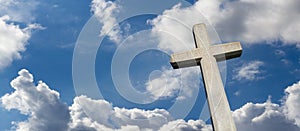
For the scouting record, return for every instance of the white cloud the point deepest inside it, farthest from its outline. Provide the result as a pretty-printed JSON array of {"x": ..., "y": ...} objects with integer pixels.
[
  {"x": 87, "y": 113},
  {"x": 20, "y": 11},
  {"x": 181, "y": 125},
  {"x": 263, "y": 117},
  {"x": 173, "y": 31},
  {"x": 47, "y": 112},
  {"x": 171, "y": 82},
  {"x": 249, "y": 71},
  {"x": 292, "y": 103},
  {"x": 42, "y": 105},
  {"x": 249, "y": 21},
  {"x": 271, "y": 116},
  {"x": 106, "y": 15},
  {"x": 254, "y": 21},
  {"x": 173, "y": 28},
  {"x": 13, "y": 40}
]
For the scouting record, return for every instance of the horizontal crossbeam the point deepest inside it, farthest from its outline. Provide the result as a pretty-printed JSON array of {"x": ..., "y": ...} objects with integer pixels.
[{"x": 221, "y": 52}]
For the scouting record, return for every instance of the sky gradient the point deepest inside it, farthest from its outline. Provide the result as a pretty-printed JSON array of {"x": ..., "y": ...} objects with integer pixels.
[{"x": 104, "y": 65}]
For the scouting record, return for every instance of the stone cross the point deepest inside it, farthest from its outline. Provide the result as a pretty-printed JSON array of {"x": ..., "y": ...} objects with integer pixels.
[{"x": 206, "y": 56}]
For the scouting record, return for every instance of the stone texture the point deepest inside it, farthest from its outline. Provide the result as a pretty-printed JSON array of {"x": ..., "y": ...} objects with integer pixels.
[{"x": 206, "y": 56}]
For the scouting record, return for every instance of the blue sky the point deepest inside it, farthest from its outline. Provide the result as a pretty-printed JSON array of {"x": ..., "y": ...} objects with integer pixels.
[{"x": 131, "y": 41}]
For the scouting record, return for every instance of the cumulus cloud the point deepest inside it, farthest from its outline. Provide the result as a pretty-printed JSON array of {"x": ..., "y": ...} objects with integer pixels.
[
  {"x": 42, "y": 105},
  {"x": 249, "y": 71},
  {"x": 45, "y": 111},
  {"x": 254, "y": 21},
  {"x": 87, "y": 113},
  {"x": 270, "y": 116},
  {"x": 249, "y": 21},
  {"x": 263, "y": 117},
  {"x": 106, "y": 15},
  {"x": 20, "y": 11},
  {"x": 173, "y": 28},
  {"x": 13, "y": 40},
  {"x": 291, "y": 103},
  {"x": 171, "y": 82},
  {"x": 181, "y": 125}
]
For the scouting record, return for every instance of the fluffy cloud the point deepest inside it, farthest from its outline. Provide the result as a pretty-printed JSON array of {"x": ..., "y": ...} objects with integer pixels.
[
  {"x": 87, "y": 113},
  {"x": 263, "y": 117},
  {"x": 45, "y": 111},
  {"x": 13, "y": 40},
  {"x": 42, "y": 105},
  {"x": 171, "y": 82},
  {"x": 254, "y": 21},
  {"x": 20, "y": 11},
  {"x": 291, "y": 104},
  {"x": 249, "y": 71},
  {"x": 106, "y": 15},
  {"x": 181, "y": 125},
  {"x": 249, "y": 21},
  {"x": 173, "y": 28},
  {"x": 271, "y": 116}
]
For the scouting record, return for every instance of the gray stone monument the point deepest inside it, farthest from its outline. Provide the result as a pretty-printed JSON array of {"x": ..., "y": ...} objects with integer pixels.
[{"x": 206, "y": 56}]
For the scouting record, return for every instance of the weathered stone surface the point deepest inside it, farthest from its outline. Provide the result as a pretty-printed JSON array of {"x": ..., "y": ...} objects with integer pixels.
[{"x": 206, "y": 56}]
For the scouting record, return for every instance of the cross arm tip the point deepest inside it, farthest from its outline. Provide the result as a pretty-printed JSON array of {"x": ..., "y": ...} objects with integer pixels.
[
  {"x": 226, "y": 51},
  {"x": 199, "y": 25},
  {"x": 174, "y": 65},
  {"x": 173, "y": 62}
]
